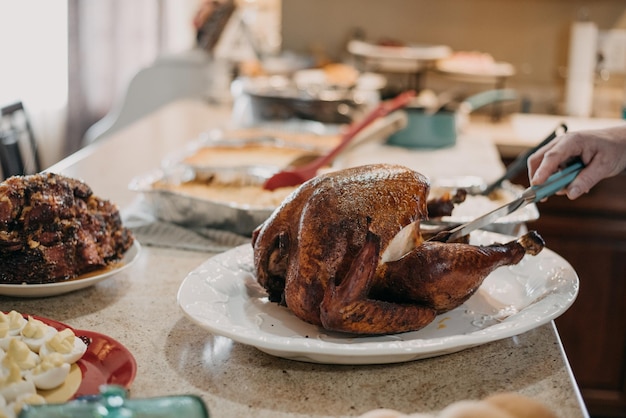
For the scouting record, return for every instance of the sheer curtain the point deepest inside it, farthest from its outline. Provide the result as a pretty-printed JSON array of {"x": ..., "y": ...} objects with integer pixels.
[
  {"x": 33, "y": 67},
  {"x": 108, "y": 42}
]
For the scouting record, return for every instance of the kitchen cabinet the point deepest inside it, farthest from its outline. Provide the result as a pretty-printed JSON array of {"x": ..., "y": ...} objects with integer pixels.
[{"x": 590, "y": 233}]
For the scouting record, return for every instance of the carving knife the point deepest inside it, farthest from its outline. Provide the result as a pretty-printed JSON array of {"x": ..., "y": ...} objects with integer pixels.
[{"x": 533, "y": 194}]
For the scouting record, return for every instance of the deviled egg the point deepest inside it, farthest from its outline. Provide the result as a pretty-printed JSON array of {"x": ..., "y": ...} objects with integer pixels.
[
  {"x": 15, "y": 322},
  {"x": 10, "y": 326},
  {"x": 65, "y": 343},
  {"x": 50, "y": 373},
  {"x": 14, "y": 385},
  {"x": 19, "y": 354},
  {"x": 35, "y": 333}
]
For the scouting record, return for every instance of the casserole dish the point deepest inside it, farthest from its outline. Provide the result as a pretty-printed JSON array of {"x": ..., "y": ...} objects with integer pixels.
[{"x": 239, "y": 209}]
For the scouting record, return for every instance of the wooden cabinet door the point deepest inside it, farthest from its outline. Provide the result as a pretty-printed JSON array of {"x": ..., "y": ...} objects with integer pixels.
[{"x": 590, "y": 233}]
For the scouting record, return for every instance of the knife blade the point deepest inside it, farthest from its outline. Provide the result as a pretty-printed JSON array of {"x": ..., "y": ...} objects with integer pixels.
[{"x": 533, "y": 194}]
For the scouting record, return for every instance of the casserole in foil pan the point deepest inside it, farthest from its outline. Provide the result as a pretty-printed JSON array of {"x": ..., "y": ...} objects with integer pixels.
[
  {"x": 218, "y": 183},
  {"x": 172, "y": 201}
]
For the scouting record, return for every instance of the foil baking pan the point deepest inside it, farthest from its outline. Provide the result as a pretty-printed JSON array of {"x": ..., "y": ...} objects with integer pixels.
[{"x": 172, "y": 205}]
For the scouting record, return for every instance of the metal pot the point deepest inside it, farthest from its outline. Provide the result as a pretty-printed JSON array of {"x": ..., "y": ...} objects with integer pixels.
[
  {"x": 272, "y": 106},
  {"x": 427, "y": 129},
  {"x": 283, "y": 100}
]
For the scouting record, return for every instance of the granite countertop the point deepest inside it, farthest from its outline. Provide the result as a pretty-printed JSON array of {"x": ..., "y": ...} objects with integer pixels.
[
  {"x": 138, "y": 307},
  {"x": 518, "y": 132}
]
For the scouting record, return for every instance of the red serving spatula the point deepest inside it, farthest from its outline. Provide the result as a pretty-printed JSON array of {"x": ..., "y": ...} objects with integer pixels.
[{"x": 296, "y": 176}]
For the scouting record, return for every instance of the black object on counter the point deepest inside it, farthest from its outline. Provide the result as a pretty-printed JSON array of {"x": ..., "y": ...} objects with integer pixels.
[
  {"x": 10, "y": 156},
  {"x": 519, "y": 163}
]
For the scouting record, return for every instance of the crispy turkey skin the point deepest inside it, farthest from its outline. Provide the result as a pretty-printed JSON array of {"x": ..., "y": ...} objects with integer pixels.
[{"x": 321, "y": 253}]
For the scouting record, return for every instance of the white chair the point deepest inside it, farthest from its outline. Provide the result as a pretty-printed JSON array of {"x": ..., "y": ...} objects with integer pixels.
[{"x": 169, "y": 78}]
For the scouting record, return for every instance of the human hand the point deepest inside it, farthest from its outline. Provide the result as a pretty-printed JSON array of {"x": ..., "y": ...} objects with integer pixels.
[{"x": 602, "y": 150}]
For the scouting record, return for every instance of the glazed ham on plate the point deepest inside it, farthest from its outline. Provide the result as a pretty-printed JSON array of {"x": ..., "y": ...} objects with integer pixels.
[{"x": 53, "y": 228}]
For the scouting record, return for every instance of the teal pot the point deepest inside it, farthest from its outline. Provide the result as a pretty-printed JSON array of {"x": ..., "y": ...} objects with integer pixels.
[{"x": 427, "y": 129}]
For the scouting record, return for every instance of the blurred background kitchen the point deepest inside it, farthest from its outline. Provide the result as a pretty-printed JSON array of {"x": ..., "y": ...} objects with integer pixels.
[
  {"x": 71, "y": 62},
  {"x": 68, "y": 61}
]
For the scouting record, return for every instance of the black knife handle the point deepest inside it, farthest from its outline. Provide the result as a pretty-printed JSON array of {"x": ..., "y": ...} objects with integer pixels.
[{"x": 519, "y": 163}]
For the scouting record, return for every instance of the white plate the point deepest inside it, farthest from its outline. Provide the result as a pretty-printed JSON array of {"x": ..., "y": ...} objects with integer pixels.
[
  {"x": 425, "y": 52},
  {"x": 53, "y": 289},
  {"x": 409, "y": 58},
  {"x": 223, "y": 297}
]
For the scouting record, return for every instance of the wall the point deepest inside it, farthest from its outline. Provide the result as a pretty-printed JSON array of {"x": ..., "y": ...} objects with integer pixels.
[{"x": 533, "y": 35}]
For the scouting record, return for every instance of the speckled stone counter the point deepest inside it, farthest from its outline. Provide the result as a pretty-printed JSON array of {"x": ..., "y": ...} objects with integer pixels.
[{"x": 138, "y": 308}]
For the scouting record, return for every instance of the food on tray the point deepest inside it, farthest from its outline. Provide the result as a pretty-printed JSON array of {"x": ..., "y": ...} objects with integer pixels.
[
  {"x": 35, "y": 358},
  {"x": 233, "y": 173},
  {"x": 252, "y": 147},
  {"x": 328, "y": 76},
  {"x": 53, "y": 228},
  {"x": 339, "y": 74},
  {"x": 286, "y": 137},
  {"x": 241, "y": 195},
  {"x": 345, "y": 251},
  {"x": 474, "y": 62},
  {"x": 250, "y": 154}
]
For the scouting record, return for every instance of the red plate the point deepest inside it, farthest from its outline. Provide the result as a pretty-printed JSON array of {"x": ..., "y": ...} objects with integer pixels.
[{"x": 106, "y": 361}]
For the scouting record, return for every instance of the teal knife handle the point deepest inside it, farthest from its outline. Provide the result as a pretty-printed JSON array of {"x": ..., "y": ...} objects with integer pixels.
[{"x": 558, "y": 180}]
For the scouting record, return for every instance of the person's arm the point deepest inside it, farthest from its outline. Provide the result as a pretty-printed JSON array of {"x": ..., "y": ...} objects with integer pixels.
[{"x": 602, "y": 150}]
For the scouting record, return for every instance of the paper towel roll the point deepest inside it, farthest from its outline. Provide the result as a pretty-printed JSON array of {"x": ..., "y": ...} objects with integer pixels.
[{"x": 581, "y": 69}]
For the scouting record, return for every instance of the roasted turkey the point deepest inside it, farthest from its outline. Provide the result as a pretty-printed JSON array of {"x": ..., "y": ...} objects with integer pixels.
[{"x": 345, "y": 252}]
